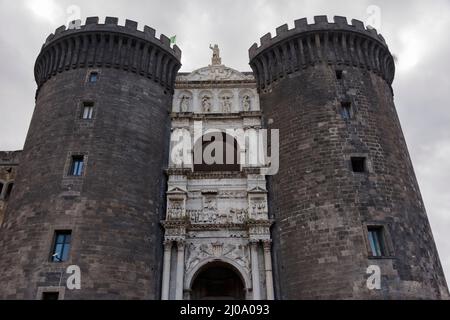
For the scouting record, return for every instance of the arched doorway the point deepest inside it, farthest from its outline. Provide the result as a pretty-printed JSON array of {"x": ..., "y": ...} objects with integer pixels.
[
  {"x": 222, "y": 151},
  {"x": 217, "y": 281}
]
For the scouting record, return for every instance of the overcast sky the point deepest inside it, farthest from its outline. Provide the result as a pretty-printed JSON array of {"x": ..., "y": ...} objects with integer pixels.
[{"x": 416, "y": 32}]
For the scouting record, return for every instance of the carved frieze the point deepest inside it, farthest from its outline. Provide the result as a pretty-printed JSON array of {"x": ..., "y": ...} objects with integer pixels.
[
  {"x": 233, "y": 216},
  {"x": 197, "y": 252}
]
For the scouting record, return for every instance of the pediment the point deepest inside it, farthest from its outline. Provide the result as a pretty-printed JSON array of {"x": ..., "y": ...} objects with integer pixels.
[
  {"x": 176, "y": 190},
  {"x": 257, "y": 190},
  {"x": 215, "y": 73}
]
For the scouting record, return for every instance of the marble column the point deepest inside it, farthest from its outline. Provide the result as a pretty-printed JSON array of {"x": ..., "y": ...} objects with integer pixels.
[
  {"x": 166, "y": 270},
  {"x": 268, "y": 269},
  {"x": 255, "y": 271},
  {"x": 180, "y": 271}
]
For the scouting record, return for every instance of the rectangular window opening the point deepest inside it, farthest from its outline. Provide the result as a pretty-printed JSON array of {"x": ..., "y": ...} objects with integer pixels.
[
  {"x": 376, "y": 241},
  {"x": 359, "y": 164},
  {"x": 61, "y": 246},
  {"x": 77, "y": 165},
  {"x": 88, "y": 111},
  {"x": 339, "y": 74},
  {"x": 346, "y": 110},
  {"x": 93, "y": 77}
]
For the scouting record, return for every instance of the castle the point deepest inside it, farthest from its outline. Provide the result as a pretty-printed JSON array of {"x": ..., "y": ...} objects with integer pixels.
[{"x": 105, "y": 181}]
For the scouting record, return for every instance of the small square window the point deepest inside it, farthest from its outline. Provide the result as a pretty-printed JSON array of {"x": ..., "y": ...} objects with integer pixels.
[
  {"x": 88, "y": 111},
  {"x": 61, "y": 246},
  {"x": 93, "y": 77},
  {"x": 76, "y": 167},
  {"x": 376, "y": 241},
  {"x": 339, "y": 74},
  {"x": 346, "y": 110},
  {"x": 50, "y": 296},
  {"x": 358, "y": 164}
]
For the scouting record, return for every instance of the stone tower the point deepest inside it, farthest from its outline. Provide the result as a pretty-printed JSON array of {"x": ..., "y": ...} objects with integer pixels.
[
  {"x": 346, "y": 198},
  {"x": 92, "y": 166}
]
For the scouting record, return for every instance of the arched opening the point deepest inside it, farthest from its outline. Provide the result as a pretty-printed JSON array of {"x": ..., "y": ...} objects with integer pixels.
[
  {"x": 216, "y": 151},
  {"x": 218, "y": 281}
]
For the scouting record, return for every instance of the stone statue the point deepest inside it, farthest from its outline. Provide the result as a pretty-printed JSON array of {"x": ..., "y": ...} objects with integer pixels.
[
  {"x": 226, "y": 104},
  {"x": 216, "y": 60},
  {"x": 185, "y": 103},
  {"x": 246, "y": 103},
  {"x": 206, "y": 104}
]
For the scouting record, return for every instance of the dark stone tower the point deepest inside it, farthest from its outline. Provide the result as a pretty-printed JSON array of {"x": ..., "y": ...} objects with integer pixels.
[
  {"x": 327, "y": 87},
  {"x": 114, "y": 208}
]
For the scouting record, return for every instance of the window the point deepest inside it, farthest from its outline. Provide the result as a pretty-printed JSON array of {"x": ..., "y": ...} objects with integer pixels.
[
  {"x": 1, "y": 189},
  {"x": 93, "y": 77},
  {"x": 376, "y": 241},
  {"x": 76, "y": 168},
  {"x": 346, "y": 110},
  {"x": 88, "y": 111},
  {"x": 50, "y": 296},
  {"x": 339, "y": 74},
  {"x": 358, "y": 164},
  {"x": 61, "y": 246},
  {"x": 9, "y": 189}
]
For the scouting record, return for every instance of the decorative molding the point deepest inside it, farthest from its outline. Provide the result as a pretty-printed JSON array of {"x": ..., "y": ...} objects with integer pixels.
[
  {"x": 198, "y": 252},
  {"x": 215, "y": 73}
]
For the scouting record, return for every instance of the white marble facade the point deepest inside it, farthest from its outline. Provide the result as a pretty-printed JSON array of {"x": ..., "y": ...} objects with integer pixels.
[{"x": 216, "y": 216}]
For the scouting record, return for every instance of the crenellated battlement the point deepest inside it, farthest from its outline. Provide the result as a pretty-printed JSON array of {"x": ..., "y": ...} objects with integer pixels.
[
  {"x": 112, "y": 25},
  {"x": 109, "y": 45},
  {"x": 306, "y": 44},
  {"x": 321, "y": 23}
]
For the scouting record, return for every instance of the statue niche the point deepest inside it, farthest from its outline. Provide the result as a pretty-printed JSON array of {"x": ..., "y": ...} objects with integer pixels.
[
  {"x": 246, "y": 103},
  {"x": 185, "y": 103},
  {"x": 206, "y": 104}
]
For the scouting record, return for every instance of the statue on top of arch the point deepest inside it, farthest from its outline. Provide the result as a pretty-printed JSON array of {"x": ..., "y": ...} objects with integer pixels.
[{"x": 216, "y": 60}]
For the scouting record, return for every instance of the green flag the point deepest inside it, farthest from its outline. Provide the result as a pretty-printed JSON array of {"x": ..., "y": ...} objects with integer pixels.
[{"x": 173, "y": 40}]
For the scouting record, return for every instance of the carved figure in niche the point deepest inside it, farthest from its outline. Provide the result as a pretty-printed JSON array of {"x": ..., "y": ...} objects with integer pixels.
[
  {"x": 226, "y": 104},
  {"x": 175, "y": 209},
  {"x": 185, "y": 103},
  {"x": 246, "y": 103},
  {"x": 206, "y": 104},
  {"x": 258, "y": 207}
]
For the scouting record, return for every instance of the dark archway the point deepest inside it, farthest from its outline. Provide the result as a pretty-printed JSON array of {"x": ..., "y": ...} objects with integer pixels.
[
  {"x": 221, "y": 147},
  {"x": 218, "y": 281}
]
